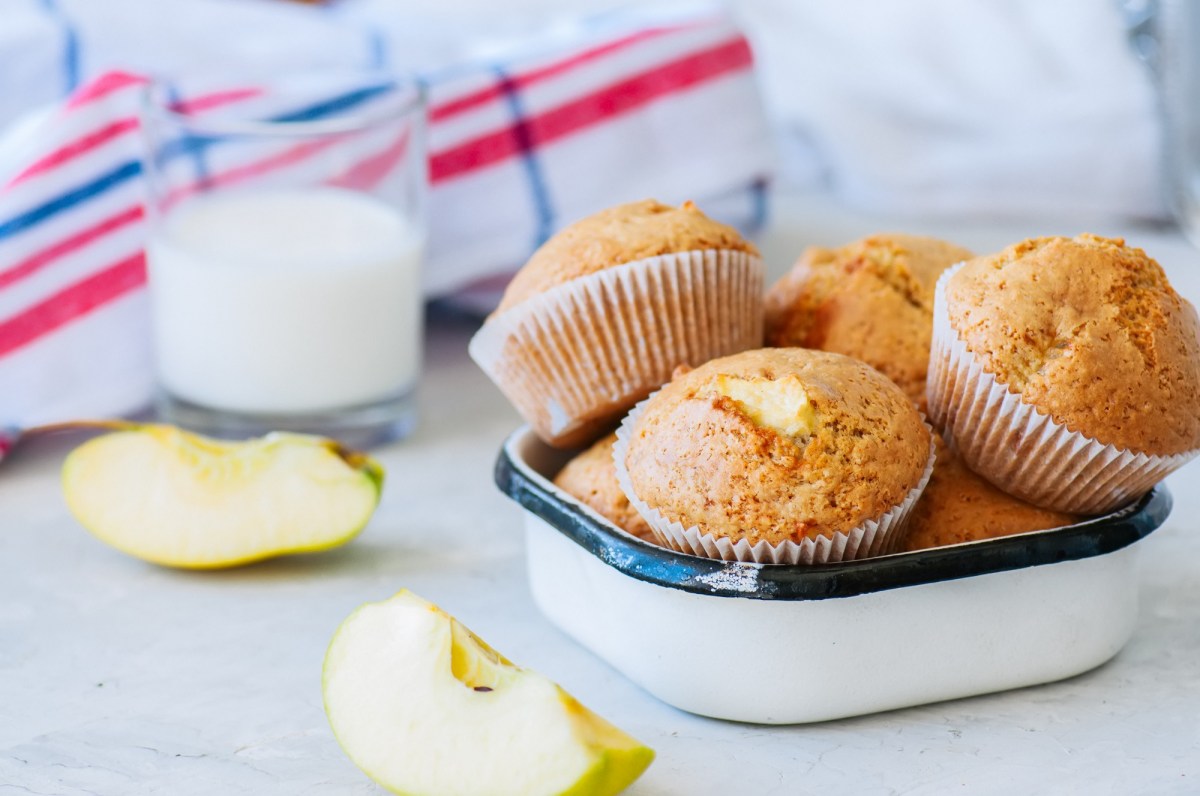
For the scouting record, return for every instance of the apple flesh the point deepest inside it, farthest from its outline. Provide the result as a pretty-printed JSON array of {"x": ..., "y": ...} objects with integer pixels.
[
  {"x": 426, "y": 708},
  {"x": 182, "y": 500}
]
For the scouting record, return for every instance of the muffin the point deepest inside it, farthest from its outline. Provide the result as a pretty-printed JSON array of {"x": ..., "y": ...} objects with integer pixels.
[
  {"x": 780, "y": 455},
  {"x": 607, "y": 308},
  {"x": 1067, "y": 371},
  {"x": 872, "y": 300},
  {"x": 591, "y": 477},
  {"x": 958, "y": 506}
]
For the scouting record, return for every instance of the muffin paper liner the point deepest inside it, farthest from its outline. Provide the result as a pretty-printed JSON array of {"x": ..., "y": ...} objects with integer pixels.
[
  {"x": 1018, "y": 448},
  {"x": 872, "y": 538},
  {"x": 573, "y": 358}
]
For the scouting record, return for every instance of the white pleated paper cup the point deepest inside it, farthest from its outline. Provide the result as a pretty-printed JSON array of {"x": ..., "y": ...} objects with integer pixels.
[
  {"x": 874, "y": 537},
  {"x": 1018, "y": 448},
  {"x": 574, "y": 357}
]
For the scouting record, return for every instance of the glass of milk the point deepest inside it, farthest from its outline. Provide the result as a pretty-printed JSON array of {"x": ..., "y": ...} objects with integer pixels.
[{"x": 284, "y": 257}]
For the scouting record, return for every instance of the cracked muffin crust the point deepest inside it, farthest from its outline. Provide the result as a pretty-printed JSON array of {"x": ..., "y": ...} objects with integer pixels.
[
  {"x": 777, "y": 444},
  {"x": 1089, "y": 331},
  {"x": 591, "y": 477},
  {"x": 618, "y": 235},
  {"x": 871, "y": 299}
]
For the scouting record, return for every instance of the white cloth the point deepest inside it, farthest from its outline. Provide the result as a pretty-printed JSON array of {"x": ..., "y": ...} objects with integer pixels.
[{"x": 951, "y": 108}]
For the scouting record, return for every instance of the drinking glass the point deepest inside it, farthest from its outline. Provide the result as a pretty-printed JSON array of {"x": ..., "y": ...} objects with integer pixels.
[{"x": 287, "y": 227}]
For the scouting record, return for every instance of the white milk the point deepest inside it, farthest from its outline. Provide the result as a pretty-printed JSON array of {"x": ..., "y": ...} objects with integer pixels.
[{"x": 286, "y": 302}]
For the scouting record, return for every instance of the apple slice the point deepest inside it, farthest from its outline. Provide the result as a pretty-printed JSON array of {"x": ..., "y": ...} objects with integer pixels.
[
  {"x": 183, "y": 500},
  {"x": 426, "y": 708}
]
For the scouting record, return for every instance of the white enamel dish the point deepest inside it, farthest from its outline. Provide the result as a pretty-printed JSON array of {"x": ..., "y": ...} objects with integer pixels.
[{"x": 777, "y": 644}]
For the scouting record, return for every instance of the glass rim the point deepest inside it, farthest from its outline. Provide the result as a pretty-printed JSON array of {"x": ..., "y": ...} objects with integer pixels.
[{"x": 156, "y": 104}]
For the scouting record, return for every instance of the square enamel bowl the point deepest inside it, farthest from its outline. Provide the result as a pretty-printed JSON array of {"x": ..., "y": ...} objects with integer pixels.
[{"x": 778, "y": 644}]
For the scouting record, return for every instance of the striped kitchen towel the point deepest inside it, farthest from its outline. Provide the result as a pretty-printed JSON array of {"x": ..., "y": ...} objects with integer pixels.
[{"x": 518, "y": 146}]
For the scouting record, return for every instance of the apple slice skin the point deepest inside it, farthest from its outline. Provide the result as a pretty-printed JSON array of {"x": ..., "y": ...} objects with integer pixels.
[
  {"x": 406, "y": 670},
  {"x": 181, "y": 500},
  {"x": 615, "y": 770}
]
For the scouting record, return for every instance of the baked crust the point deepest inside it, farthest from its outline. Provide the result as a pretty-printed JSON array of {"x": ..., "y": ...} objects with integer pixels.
[
  {"x": 591, "y": 477},
  {"x": 871, "y": 300},
  {"x": 1089, "y": 331},
  {"x": 618, "y": 235},
  {"x": 696, "y": 455},
  {"x": 960, "y": 506}
]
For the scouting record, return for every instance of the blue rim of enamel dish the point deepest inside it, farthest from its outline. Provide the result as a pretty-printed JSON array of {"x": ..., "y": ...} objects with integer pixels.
[{"x": 532, "y": 489}]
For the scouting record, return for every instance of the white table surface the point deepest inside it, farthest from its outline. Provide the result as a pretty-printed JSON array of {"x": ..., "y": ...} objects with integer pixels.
[{"x": 118, "y": 677}]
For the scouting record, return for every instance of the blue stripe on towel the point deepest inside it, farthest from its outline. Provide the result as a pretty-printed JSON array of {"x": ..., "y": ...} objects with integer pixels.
[
  {"x": 331, "y": 106},
  {"x": 67, "y": 200},
  {"x": 758, "y": 193},
  {"x": 377, "y": 50},
  {"x": 537, "y": 183},
  {"x": 70, "y": 53},
  {"x": 197, "y": 153},
  {"x": 191, "y": 145}
]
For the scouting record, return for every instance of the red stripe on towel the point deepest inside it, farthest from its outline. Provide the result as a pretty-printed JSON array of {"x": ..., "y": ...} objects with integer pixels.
[
  {"x": 611, "y": 101},
  {"x": 73, "y": 302},
  {"x": 103, "y": 135},
  {"x": 369, "y": 172},
  {"x": 215, "y": 100},
  {"x": 488, "y": 93},
  {"x": 104, "y": 85},
  {"x": 37, "y": 261},
  {"x": 286, "y": 158},
  {"x": 76, "y": 148}
]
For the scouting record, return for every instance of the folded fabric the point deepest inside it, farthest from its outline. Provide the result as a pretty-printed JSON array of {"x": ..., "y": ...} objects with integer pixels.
[
  {"x": 518, "y": 146},
  {"x": 1017, "y": 108}
]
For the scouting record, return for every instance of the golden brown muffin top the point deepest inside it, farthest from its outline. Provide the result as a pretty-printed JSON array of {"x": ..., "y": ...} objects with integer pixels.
[
  {"x": 871, "y": 299},
  {"x": 618, "y": 235},
  {"x": 1089, "y": 331},
  {"x": 960, "y": 506},
  {"x": 777, "y": 444},
  {"x": 591, "y": 477}
]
